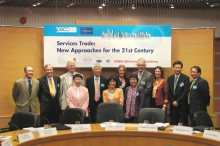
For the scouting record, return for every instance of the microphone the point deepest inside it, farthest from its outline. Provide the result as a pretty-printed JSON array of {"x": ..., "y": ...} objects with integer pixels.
[
  {"x": 195, "y": 117},
  {"x": 46, "y": 119},
  {"x": 80, "y": 118},
  {"x": 12, "y": 124},
  {"x": 152, "y": 120},
  {"x": 116, "y": 116}
]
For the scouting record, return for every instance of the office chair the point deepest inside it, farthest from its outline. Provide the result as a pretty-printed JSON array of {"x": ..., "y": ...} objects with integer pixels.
[
  {"x": 153, "y": 115},
  {"x": 23, "y": 120},
  {"x": 71, "y": 115},
  {"x": 202, "y": 118},
  {"x": 109, "y": 111}
]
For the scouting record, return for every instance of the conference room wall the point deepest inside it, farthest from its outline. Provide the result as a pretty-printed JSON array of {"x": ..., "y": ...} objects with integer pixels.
[
  {"x": 37, "y": 17},
  {"x": 24, "y": 46}
]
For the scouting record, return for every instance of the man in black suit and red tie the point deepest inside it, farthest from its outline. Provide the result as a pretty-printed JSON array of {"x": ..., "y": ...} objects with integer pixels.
[
  {"x": 178, "y": 91},
  {"x": 198, "y": 97},
  {"x": 49, "y": 86},
  {"x": 95, "y": 85}
]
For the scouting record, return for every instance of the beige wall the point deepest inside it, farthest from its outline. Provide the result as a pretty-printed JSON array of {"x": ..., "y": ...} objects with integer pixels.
[{"x": 24, "y": 46}]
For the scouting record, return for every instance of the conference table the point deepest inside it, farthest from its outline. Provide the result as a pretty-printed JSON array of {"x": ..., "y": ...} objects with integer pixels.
[{"x": 130, "y": 137}]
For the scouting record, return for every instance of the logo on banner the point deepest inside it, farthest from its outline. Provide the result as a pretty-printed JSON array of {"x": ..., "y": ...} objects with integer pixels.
[
  {"x": 86, "y": 30},
  {"x": 66, "y": 29},
  {"x": 98, "y": 61},
  {"x": 108, "y": 61}
]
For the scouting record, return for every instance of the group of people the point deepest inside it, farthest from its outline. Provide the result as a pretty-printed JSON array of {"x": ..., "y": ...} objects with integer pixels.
[{"x": 141, "y": 89}]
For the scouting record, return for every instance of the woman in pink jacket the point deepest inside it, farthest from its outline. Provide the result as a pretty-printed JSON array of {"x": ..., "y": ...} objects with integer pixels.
[{"x": 77, "y": 95}]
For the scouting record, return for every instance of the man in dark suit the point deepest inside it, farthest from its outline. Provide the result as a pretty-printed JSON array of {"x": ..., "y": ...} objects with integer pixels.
[
  {"x": 178, "y": 90},
  {"x": 145, "y": 79},
  {"x": 199, "y": 97},
  {"x": 49, "y": 86},
  {"x": 95, "y": 96}
]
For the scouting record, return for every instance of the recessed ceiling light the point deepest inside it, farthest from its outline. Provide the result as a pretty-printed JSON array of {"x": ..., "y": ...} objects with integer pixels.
[
  {"x": 100, "y": 7},
  {"x": 103, "y": 4}
]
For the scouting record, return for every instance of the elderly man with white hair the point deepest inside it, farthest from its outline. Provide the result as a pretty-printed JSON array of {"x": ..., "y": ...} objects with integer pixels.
[{"x": 95, "y": 84}]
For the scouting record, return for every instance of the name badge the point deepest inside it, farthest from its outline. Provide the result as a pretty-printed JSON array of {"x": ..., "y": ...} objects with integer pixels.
[
  {"x": 102, "y": 85},
  {"x": 80, "y": 127},
  {"x": 148, "y": 127},
  {"x": 182, "y": 84},
  {"x": 194, "y": 87},
  {"x": 115, "y": 126},
  {"x": 7, "y": 142},
  {"x": 183, "y": 130},
  {"x": 211, "y": 134},
  {"x": 142, "y": 82},
  {"x": 47, "y": 132},
  {"x": 121, "y": 86},
  {"x": 25, "y": 136}
]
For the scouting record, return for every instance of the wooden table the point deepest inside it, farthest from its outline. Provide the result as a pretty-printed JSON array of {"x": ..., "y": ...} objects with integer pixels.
[{"x": 130, "y": 137}]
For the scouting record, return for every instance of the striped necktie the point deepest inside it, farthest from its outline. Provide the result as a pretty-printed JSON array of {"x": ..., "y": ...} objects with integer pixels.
[{"x": 29, "y": 87}]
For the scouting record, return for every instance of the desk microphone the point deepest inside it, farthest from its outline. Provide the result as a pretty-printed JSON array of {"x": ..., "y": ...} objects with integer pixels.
[
  {"x": 12, "y": 124},
  {"x": 152, "y": 120},
  {"x": 46, "y": 120},
  {"x": 195, "y": 117},
  {"x": 80, "y": 118},
  {"x": 116, "y": 116}
]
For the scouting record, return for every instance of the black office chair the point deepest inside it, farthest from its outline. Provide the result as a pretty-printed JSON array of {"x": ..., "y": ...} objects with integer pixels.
[
  {"x": 153, "y": 115},
  {"x": 202, "y": 118},
  {"x": 109, "y": 111},
  {"x": 23, "y": 120},
  {"x": 71, "y": 115}
]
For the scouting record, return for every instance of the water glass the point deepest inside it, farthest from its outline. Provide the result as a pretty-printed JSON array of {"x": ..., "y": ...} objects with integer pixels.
[
  {"x": 146, "y": 122},
  {"x": 77, "y": 122}
]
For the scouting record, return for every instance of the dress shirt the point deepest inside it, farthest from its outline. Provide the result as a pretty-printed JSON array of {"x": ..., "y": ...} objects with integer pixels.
[
  {"x": 26, "y": 81},
  {"x": 98, "y": 83}
]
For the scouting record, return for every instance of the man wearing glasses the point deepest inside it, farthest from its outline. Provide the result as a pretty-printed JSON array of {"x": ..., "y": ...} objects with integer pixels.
[
  {"x": 145, "y": 79},
  {"x": 198, "y": 96}
]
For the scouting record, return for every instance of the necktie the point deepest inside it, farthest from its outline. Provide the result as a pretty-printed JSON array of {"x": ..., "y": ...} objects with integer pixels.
[
  {"x": 97, "y": 89},
  {"x": 29, "y": 87},
  {"x": 139, "y": 77},
  {"x": 51, "y": 88},
  {"x": 175, "y": 82},
  {"x": 193, "y": 81}
]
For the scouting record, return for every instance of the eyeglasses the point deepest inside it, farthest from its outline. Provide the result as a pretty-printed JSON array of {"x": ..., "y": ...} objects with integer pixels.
[{"x": 121, "y": 71}]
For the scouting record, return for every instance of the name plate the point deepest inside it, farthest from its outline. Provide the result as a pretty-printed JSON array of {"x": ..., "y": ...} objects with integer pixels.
[
  {"x": 115, "y": 126},
  {"x": 7, "y": 142},
  {"x": 81, "y": 127},
  {"x": 25, "y": 136},
  {"x": 211, "y": 134},
  {"x": 183, "y": 130},
  {"x": 47, "y": 132},
  {"x": 148, "y": 127}
]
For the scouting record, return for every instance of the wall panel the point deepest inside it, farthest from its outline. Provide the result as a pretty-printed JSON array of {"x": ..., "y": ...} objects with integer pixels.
[{"x": 22, "y": 46}]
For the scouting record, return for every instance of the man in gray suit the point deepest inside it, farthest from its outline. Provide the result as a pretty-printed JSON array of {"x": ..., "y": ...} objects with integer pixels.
[
  {"x": 66, "y": 80},
  {"x": 25, "y": 92},
  {"x": 145, "y": 79}
]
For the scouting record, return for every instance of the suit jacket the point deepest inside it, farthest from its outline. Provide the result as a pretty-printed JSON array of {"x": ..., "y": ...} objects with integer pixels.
[
  {"x": 48, "y": 103},
  {"x": 64, "y": 85},
  {"x": 162, "y": 93},
  {"x": 21, "y": 96},
  {"x": 146, "y": 82},
  {"x": 118, "y": 96},
  {"x": 90, "y": 85},
  {"x": 127, "y": 83},
  {"x": 141, "y": 102},
  {"x": 82, "y": 102},
  {"x": 199, "y": 96},
  {"x": 181, "y": 90}
]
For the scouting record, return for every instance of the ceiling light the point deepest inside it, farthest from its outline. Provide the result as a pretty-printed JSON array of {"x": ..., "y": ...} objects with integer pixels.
[
  {"x": 171, "y": 6},
  {"x": 133, "y": 6},
  {"x": 212, "y": 6},
  {"x": 100, "y": 7},
  {"x": 72, "y": 4},
  {"x": 103, "y": 4},
  {"x": 34, "y": 5}
]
